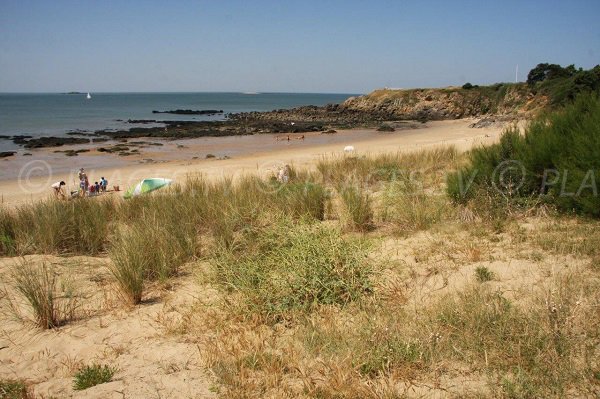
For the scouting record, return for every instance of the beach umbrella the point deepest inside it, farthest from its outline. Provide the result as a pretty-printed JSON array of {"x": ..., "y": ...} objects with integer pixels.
[{"x": 146, "y": 186}]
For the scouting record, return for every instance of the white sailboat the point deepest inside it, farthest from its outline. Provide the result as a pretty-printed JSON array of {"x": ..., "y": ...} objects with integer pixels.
[{"x": 88, "y": 96}]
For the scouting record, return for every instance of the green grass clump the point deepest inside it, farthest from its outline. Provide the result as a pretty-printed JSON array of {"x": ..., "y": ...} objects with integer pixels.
[
  {"x": 78, "y": 227},
  {"x": 555, "y": 161},
  {"x": 93, "y": 375},
  {"x": 151, "y": 249},
  {"x": 358, "y": 208},
  {"x": 13, "y": 389},
  {"x": 409, "y": 207},
  {"x": 386, "y": 167},
  {"x": 295, "y": 267},
  {"x": 483, "y": 274},
  {"x": 8, "y": 245}
]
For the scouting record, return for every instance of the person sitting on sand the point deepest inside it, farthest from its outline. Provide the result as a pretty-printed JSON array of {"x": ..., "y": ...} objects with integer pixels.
[{"x": 58, "y": 189}]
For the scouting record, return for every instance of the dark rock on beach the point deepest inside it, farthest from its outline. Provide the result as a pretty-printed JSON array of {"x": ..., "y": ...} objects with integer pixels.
[
  {"x": 190, "y": 112},
  {"x": 42, "y": 142},
  {"x": 72, "y": 153},
  {"x": 142, "y": 121},
  {"x": 5, "y": 154}
]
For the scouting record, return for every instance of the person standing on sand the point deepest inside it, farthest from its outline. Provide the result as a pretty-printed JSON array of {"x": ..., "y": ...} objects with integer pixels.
[
  {"x": 58, "y": 189},
  {"x": 284, "y": 174}
]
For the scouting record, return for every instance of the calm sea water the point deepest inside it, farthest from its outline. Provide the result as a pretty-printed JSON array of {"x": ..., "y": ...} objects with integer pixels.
[{"x": 56, "y": 114}]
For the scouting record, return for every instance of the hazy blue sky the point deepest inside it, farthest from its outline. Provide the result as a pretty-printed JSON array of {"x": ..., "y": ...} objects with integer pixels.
[{"x": 302, "y": 46}]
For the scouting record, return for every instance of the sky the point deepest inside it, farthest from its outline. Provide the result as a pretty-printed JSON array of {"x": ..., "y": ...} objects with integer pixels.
[{"x": 286, "y": 46}]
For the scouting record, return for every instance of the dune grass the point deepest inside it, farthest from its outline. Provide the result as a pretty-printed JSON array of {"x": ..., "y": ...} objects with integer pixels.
[
  {"x": 408, "y": 207},
  {"x": 290, "y": 268},
  {"x": 50, "y": 302},
  {"x": 357, "y": 210},
  {"x": 55, "y": 227},
  {"x": 387, "y": 167}
]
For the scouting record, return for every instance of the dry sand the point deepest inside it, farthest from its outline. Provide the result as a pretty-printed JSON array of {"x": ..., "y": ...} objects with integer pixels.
[{"x": 28, "y": 178}]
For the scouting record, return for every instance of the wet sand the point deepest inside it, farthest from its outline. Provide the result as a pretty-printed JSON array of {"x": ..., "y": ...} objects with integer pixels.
[{"x": 28, "y": 178}]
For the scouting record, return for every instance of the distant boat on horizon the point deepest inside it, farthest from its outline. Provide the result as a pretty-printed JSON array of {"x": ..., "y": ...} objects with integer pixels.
[{"x": 88, "y": 96}]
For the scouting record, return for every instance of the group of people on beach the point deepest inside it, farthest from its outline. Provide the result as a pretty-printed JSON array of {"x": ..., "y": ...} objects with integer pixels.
[{"x": 85, "y": 188}]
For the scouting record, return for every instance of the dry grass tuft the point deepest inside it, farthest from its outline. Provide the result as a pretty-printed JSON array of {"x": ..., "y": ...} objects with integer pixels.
[{"x": 50, "y": 301}]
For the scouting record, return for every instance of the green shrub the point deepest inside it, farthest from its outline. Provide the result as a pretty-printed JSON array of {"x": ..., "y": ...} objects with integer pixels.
[
  {"x": 295, "y": 268},
  {"x": 93, "y": 375},
  {"x": 555, "y": 161}
]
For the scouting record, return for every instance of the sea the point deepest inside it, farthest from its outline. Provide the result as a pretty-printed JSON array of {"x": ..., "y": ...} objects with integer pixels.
[{"x": 56, "y": 114}]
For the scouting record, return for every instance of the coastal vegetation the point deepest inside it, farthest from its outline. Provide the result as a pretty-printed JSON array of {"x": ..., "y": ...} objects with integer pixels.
[
  {"x": 554, "y": 162},
  {"x": 371, "y": 276},
  {"x": 92, "y": 375}
]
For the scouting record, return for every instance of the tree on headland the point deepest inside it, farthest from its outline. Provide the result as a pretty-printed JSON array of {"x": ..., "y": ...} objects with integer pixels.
[
  {"x": 562, "y": 85},
  {"x": 547, "y": 71}
]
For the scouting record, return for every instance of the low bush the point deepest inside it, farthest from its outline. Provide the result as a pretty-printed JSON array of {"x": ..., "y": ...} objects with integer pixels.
[{"x": 555, "y": 161}]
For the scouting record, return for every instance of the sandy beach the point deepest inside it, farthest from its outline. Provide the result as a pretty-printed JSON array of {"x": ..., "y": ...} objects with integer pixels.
[{"x": 28, "y": 178}]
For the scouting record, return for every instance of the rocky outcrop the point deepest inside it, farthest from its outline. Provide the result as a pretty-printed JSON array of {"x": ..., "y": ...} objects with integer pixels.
[
  {"x": 446, "y": 103},
  {"x": 42, "y": 142},
  {"x": 415, "y": 104}
]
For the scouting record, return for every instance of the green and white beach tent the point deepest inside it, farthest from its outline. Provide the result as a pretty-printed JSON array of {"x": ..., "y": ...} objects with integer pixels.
[{"x": 146, "y": 186}]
